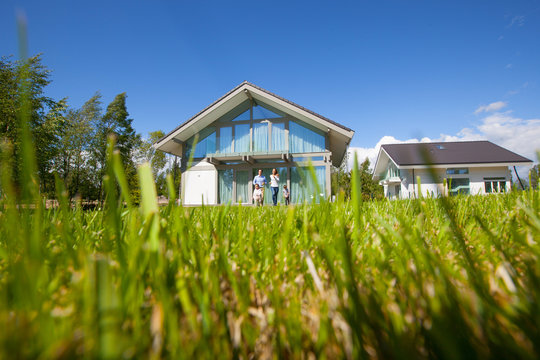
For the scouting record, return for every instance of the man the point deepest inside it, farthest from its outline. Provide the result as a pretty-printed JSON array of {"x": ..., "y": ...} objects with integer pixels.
[{"x": 261, "y": 181}]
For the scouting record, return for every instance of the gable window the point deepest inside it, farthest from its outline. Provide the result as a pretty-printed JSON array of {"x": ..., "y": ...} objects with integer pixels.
[
  {"x": 243, "y": 116},
  {"x": 261, "y": 113},
  {"x": 206, "y": 143},
  {"x": 304, "y": 139},
  {"x": 494, "y": 185},
  {"x": 457, "y": 171},
  {"x": 392, "y": 171}
]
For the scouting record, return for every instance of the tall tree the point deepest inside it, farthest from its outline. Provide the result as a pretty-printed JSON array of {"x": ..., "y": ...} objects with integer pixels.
[
  {"x": 341, "y": 181},
  {"x": 370, "y": 188},
  {"x": 116, "y": 122},
  {"x": 341, "y": 178},
  {"x": 45, "y": 120},
  {"x": 75, "y": 144}
]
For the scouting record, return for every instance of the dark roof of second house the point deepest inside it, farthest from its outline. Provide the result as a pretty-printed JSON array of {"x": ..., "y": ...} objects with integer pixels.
[{"x": 459, "y": 152}]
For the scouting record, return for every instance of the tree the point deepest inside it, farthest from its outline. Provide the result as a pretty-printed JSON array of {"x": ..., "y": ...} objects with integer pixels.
[
  {"x": 534, "y": 176},
  {"x": 341, "y": 181},
  {"x": 370, "y": 188},
  {"x": 75, "y": 145},
  {"x": 45, "y": 114},
  {"x": 115, "y": 122},
  {"x": 157, "y": 159},
  {"x": 341, "y": 178}
]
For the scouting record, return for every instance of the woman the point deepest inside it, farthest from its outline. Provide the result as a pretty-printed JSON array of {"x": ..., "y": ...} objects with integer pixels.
[{"x": 274, "y": 185}]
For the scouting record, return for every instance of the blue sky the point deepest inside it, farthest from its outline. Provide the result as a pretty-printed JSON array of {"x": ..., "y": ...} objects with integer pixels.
[{"x": 390, "y": 70}]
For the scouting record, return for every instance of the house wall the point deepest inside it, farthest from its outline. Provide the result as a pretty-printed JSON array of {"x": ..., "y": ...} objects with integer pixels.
[
  {"x": 199, "y": 184},
  {"x": 434, "y": 187}
]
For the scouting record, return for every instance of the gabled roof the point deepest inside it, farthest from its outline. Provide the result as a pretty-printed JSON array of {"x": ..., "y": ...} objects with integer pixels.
[
  {"x": 439, "y": 154},
  {"x": 340, "y": 136}
]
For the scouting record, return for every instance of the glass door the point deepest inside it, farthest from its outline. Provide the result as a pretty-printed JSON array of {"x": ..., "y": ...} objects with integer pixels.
[
  {"x": 225, "y": 183},
  {"x": 242, "y": 186}
]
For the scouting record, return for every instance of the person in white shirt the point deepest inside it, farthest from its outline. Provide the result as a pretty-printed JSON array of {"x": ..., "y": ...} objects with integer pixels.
[
  {"x": 257, "y": 195},
  {"x": 274, "y": 185}
]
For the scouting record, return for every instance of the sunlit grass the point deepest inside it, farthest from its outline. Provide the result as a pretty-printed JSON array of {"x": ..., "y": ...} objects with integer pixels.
[{"x": 411, "y": 278}]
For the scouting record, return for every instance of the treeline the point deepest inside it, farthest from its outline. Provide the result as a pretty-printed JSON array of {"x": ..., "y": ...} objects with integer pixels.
[{"x": 71, "y": 143}]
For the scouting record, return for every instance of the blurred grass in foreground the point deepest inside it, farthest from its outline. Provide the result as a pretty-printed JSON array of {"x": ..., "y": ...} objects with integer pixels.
[{"x": 402, "y": 279}]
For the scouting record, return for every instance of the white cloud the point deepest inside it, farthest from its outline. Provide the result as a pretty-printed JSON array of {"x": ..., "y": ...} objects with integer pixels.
[
  {"x": 517, "y": 21},
  {"x": 521, "y": 136},
  {"x": 509, "y": 66},
  {"x": 494, "y": 106},
  {"x": 371, "y": 153}
]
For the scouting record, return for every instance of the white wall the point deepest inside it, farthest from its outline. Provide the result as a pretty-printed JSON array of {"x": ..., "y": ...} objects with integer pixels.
[
  {"x": 430, "y": 187},
  {"x": 200, "y": 184}
]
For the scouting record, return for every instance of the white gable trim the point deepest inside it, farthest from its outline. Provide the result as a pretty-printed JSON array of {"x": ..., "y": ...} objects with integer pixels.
[{"x": 235, "y": 98}]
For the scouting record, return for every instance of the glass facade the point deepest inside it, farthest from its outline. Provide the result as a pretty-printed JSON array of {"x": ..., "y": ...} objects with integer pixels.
[
  {"x": 305, "y": 140},
  {"x": 307, "y": 186},
  {"x": 225, "y": 185},
  {"x": 242, "y": 186},
  {"x": 243, "y": 116},
  {"x": 225, "y": 140},
  {"x": 256, "y": 135},
  {"x": 206, "y": 144},
  {"x": 260, "y": 137},
  {"x": 241, "y": 138},
  {"x": 261, "y": 113},
  {"x": 258, "y": 129},
  {"x": 278, "y": 137}
]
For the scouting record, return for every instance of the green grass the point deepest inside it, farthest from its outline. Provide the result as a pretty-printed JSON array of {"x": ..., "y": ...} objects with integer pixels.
[{"x": 431, "y": 278}]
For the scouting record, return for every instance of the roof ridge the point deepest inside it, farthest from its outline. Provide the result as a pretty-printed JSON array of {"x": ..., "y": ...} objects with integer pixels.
[{"x": 245, "y": 82}]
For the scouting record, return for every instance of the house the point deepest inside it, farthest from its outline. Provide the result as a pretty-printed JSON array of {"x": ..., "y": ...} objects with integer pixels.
[
  {"x": 248, "y": 129},
  {"x": 467, "y": 167}
]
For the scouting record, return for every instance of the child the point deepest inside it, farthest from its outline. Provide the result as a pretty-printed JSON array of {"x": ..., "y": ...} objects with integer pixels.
[
  {"x": 286, "y": 194},
  {"x": 257, "y": 195}
]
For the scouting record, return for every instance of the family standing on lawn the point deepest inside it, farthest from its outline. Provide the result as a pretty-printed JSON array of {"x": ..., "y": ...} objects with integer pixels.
[{"x": 259, "y": 182}]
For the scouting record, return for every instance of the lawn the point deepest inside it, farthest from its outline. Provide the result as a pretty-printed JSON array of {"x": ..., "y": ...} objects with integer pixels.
[{"x": 446, "y": 278}]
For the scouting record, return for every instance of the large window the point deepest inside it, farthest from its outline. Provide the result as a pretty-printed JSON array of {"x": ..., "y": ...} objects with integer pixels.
[
  {"x": 260, "y": 137},
  {"x": 242, "y": 186},
  {"x": 206, "y": 143},
  {"x": 304, "y": 187},
  {"x": 241, "y": 138},
  {"x": 225, "y": 184},
  {"x": 304, "y": 140},
  {"x": 278, "y": 137},
  {"x": 458, "y": 186},
  {"x": 494, "y": 185},
  {"x": 225, "y": 140},
  {"x": 392, "y": 172}
]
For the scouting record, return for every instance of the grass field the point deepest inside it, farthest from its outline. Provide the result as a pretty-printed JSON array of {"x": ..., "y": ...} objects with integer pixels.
[{"x": 446, "y": 278}]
